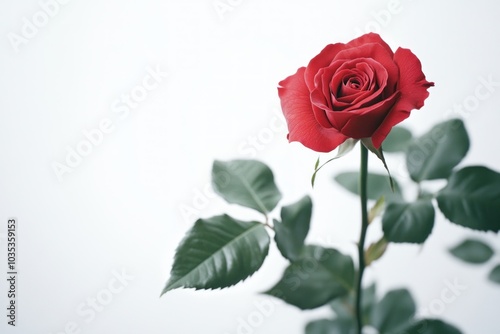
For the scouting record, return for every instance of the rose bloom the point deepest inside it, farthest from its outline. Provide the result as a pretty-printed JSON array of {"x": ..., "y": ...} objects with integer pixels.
[{"x": 356, "y": 90}]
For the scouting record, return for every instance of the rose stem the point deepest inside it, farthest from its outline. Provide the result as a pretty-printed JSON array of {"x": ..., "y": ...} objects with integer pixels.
[{"x": 364, "y": 226}]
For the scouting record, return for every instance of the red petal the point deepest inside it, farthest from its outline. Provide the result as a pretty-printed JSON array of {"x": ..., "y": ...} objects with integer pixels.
[
  {"x": 326, "y": 56},
  {"x": 413, "y": 88},
  {"x": 323, "y": 59},
  {"x": 380, "y": 55},
  {"x": 364, "y": 122},
  {"x": 302, "y": 124},
  {"x": 367, "y": 39},
  {"x": 412, "y": 83}
]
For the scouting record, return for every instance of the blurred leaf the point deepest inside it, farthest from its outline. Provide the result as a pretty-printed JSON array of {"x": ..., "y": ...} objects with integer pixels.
[
  {"x": 472, "y": 198},
  {"x": 326, "y": 326},
  {"x": 344, "y": 148},
  {"x": 394, "y": 312},
  {"x": 430, "y": 326},
  {"x": 218, "y": 252},
  {"x": 375, "y": 251},
  {"x": 408, "y": 222},
  {"x": 293, "y": 228},
  {"x": 344, "y": 307},
  {"x": 435, "y": 154},
  {"x": 368, "y": 303},
  {"x": 494, "y": 275},
  {"x": 317, "y": 277},
  {"x": 472, "y": 251},
  {"x": 376, "y": 209},
  {"x": 377, "y": 185},
  {"x": 398, "y": 140},
  {"x": 246, "y": 182}
]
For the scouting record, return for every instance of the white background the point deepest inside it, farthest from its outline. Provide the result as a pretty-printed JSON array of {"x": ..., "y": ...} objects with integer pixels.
[{"x": 119, "y": 209}]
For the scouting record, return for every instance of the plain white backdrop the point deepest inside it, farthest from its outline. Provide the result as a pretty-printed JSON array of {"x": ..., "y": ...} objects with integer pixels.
[{"x": 173, "y": 85}]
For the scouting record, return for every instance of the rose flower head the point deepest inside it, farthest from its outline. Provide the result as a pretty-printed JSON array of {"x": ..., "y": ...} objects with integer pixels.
[{"x": 356, "y": 90}]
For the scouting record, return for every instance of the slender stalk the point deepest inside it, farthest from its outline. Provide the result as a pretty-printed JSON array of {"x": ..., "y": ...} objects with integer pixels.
[{"x": 362, "y": 236}]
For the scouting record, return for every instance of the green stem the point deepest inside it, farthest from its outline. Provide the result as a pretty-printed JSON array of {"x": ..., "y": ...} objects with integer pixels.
[{"x": 362, "y": 237}]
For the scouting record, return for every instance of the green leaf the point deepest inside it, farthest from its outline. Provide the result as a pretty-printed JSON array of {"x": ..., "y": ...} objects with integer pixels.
[
  {"x": 472, "y": 198},
  {"x": 293, "y": 228},
  {"x": 398, "y": 140},
  {"x": 431, "y": 326},
  {"x": 368, "y": 303},
  {"x": 344, "y": 148},
  {"x": 472, "y": 251},
  {"x": 246, "y": 182},
  {"x": 344, "y": 307},
  {"x": 408, "y": 222},
  {"x": 435, "y": 154},
  {"x": 375, "y": 251},
  {"x": 394, "y": 311},
  {"x": 494, "y": 275},
  {"x": 218, "y": 252},
  {"x": 317, "y": 277},
  {"x": 327, "y": 326},
  {"x": 378, "y": 185}
]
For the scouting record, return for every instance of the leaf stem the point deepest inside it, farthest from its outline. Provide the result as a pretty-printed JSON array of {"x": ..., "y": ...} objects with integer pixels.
[
  {"x": 361, "y": 244},
  {"x": 266, "y": 222}
]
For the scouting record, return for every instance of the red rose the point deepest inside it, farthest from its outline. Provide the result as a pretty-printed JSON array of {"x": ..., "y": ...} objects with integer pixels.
[{"x": 356, "y": 90}]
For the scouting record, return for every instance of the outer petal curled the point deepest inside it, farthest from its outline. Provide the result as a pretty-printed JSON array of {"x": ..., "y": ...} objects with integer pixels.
[
  {"x": 367, "y": 39},
  {"x": 302, "y": 125},
  {"x": 413, "y": 89}
]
